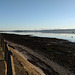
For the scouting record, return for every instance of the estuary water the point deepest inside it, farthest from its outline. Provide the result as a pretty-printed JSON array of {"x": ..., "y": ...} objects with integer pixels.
[{"x": 69, "y": 37}]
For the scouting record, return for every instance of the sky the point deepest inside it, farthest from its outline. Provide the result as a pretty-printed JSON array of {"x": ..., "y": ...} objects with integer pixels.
[{"x": 37, "y": 14}]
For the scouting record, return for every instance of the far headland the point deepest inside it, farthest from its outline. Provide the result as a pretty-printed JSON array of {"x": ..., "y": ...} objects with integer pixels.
[{"x": 44, "y": 31}]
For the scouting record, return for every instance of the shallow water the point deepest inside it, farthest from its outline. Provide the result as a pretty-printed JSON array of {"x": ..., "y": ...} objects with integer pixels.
[{"x": 70, "y": 37}]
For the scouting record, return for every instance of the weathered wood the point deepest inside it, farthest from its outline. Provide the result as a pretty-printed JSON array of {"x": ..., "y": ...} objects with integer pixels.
[{"x": 7, "y": 57}]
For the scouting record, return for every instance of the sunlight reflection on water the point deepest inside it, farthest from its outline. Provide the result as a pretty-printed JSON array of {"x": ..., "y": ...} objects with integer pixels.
[{"x": 70, "y": 37}]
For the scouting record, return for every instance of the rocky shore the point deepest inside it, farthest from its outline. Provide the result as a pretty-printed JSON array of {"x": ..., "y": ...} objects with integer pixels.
[{"x": 49, "y": 54}]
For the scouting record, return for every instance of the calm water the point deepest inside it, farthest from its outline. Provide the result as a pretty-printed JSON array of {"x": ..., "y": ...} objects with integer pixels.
[{"x": 70, "y": 37}]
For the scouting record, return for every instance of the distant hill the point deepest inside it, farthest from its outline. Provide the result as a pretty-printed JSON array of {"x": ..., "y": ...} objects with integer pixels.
[
  {"x": 59, "y": 31},
  {"x": 45, "y": 31}
]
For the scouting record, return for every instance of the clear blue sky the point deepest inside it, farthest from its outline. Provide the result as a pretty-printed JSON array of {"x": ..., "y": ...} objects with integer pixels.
[{"x": 37, "y": 14}]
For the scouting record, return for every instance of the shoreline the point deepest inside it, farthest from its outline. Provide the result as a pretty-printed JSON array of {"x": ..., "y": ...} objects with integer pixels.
[
  {"x": 50, "y": 48},
  {"x": 35, "y": 34}
]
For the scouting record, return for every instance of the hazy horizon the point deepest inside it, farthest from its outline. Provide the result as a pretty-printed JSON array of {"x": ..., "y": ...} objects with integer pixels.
[{"x": 38, "y": 29}]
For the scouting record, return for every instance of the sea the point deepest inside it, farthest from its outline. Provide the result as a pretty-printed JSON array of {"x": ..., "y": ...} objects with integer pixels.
[{"x": 66, "y": 36}]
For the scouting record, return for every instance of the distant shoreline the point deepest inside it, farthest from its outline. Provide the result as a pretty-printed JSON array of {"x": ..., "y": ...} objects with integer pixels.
[
  {"x": 67, "y": 31},
  {"x": 65, "y": 36}
]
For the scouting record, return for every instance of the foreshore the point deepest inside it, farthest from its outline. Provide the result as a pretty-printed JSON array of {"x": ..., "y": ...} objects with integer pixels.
[{"x": 42, "y": 52}]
